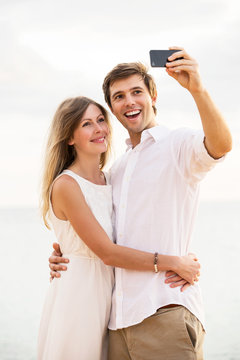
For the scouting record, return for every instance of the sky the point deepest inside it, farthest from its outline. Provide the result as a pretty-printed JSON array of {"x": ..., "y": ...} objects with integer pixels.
[{"x": 51, "y": 50}]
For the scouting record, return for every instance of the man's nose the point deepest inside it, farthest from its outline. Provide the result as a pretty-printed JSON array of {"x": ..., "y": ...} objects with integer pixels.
[{"x": 129, "y": 100}]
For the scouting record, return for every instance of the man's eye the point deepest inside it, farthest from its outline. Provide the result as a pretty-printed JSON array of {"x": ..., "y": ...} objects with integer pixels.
[
  {"x": 118, "y": 97},
  {"x": 138, "y": 92}
]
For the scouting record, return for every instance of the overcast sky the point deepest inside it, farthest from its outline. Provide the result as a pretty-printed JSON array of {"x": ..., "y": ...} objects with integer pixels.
[{"x": 51, "y": 50}]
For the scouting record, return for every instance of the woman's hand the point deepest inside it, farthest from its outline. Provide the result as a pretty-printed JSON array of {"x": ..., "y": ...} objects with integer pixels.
[{"x": 187, "y": 272}]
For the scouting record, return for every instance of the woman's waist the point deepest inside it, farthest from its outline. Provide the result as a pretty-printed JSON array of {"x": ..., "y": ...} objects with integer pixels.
[
  {"x": 80, "y": 255},
  {"x": 84, "y": 265}
]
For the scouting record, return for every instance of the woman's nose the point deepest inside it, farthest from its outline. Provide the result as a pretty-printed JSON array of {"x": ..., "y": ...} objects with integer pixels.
[{"x": 97, "y": 127}]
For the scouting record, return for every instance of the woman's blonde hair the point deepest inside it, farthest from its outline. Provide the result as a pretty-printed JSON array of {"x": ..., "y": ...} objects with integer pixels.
[{"x": 59, "y": 155}]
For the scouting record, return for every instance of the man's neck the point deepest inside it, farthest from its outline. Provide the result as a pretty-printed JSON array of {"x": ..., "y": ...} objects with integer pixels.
[{"x": 136, "y": 137}]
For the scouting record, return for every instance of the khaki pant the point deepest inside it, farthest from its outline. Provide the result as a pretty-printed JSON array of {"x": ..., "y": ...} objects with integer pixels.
[{"x": 170, "y": 334}]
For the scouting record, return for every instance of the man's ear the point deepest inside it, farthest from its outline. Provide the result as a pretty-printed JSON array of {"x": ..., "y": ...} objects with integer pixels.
[
  {"x": 154, "y": 99},
  {"x": 110, "y": 108}
]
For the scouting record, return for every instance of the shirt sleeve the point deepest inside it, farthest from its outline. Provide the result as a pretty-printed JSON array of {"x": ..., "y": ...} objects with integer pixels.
[{"x": 190, "y": 155}]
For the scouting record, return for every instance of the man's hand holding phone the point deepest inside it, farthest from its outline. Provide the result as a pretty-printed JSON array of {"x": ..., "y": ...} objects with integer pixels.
[{"x": 179, "y": 65}]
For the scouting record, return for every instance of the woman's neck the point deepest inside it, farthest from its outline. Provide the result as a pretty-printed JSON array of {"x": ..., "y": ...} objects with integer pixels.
[{"x": 88, "y": 169}]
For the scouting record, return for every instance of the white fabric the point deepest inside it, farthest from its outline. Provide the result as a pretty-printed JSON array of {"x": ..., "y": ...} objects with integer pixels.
[
  {"x": 77, "y": 307},
  {"x": 155, "y": 196}
]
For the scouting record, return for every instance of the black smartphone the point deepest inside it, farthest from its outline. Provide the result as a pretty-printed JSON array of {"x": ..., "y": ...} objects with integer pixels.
[{"x": 159, "y": 58}]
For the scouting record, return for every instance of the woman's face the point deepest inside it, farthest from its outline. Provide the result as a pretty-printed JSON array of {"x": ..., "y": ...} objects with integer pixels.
[{"x": 91, "y": 135}]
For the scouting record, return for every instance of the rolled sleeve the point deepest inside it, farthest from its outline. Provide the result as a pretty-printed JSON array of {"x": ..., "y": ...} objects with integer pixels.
[{"x": 191, "y": 156}]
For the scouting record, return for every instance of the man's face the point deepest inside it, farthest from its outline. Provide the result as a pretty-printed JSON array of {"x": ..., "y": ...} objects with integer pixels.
[{"x": 132, "y": 104}]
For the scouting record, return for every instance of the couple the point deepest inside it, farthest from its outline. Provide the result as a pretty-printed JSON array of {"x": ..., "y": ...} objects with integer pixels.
[{"x": 155, "y": 309}]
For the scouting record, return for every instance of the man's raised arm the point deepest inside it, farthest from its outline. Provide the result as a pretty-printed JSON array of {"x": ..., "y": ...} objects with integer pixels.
[{"x": 218, "y": 139}]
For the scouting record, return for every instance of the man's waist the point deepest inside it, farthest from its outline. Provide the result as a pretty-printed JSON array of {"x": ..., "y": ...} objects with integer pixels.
[{"x": 168, "y": 306}]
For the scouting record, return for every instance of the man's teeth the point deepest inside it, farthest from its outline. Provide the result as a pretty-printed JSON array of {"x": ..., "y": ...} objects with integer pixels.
[{"x": 131, "y": 113}]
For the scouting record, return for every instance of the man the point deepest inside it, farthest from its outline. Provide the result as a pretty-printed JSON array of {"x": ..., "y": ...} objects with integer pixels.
[{"x": 155, "y": 196}]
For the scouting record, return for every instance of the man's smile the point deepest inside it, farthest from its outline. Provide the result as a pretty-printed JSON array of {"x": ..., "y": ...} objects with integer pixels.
[{"x": 132, "y": 114}]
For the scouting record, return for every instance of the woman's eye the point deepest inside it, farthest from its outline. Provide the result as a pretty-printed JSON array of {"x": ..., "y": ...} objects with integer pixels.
[
  {"x": 86, "y": 124},
  {"x": 138, "y": 92},
  {"x": 101, "y": 119}
]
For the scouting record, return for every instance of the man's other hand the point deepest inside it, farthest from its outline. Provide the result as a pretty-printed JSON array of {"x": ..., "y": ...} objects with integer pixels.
[{"x": 56, "y": 262}]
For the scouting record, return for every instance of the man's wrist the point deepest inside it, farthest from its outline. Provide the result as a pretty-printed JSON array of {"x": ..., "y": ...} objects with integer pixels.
[{"x": 200, "y": 93}]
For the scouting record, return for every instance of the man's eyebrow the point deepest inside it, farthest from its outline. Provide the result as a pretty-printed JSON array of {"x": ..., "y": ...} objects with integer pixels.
[{"x": 121, "y": 91}]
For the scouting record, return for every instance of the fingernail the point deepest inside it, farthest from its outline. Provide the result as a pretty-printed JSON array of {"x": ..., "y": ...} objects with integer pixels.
[
  {"x": 66, "y": 260},
  {"x": 64, "y": 268}
]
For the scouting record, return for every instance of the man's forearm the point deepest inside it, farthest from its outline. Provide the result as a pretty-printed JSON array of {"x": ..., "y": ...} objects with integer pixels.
[{"x": 218, "y": 139}]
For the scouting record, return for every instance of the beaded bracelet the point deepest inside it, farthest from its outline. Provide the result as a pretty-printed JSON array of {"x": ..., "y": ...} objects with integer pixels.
[{"x": 156, "y": 262}]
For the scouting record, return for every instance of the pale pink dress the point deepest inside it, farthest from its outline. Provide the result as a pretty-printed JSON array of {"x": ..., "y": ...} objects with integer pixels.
[{"x": 77, "y": 307}]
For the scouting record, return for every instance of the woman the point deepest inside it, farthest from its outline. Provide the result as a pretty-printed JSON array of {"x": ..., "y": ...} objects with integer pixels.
[{"x": 77, "y": 199}]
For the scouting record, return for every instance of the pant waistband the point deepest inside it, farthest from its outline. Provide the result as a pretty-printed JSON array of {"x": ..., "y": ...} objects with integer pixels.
[{"x": 168, "y": 306}]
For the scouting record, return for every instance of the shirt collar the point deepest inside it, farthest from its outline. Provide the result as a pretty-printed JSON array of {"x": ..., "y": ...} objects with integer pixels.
[{"x": 157, "y": 133}]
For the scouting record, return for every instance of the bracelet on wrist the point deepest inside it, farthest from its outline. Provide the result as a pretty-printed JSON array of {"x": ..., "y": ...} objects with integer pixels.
[{"x": 155, "y": 264}]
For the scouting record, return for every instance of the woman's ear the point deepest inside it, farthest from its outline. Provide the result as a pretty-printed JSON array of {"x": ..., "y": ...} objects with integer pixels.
[{"x": 71, "y": 142}]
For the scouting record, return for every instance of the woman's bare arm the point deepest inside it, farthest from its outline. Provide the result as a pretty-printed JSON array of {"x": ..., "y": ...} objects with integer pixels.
[{"x": 68, "y": 200}]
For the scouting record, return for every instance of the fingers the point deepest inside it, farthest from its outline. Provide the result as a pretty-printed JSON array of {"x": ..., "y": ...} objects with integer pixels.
[
  {"x": 54, "y": 274},
  {"x": 169, "y": 273},
  {"x": 176, "y": 67},
  {"x": 181, "y": 282},
  {"x": 56, "y": 267},
  {"x": 193, "y": 256},
  {"x": 173, "y": 279},
  {"x": 177, "y": 54},
  {"x": 57, "y": 250},
  {"x": 187, "y": 63},
  {"x": 197, "y": 276},
  {"x": 177, "y": 280},
  {"x": 176, "y": 48},
  {"x": 180, "y": 62},
  {"x": 57, "y": 259},
  {"x": 184, "y": 287}
]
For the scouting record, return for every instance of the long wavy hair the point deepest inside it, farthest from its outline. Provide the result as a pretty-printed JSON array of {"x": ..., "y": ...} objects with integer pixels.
[{"x": 59, "y": 155}]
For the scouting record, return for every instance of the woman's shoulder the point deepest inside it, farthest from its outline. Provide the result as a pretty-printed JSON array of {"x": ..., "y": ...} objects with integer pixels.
[{"x": 64, "y": 183}]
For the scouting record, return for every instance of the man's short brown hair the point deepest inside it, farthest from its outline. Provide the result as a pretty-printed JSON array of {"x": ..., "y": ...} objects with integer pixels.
[{"x": 124, "y": 70}]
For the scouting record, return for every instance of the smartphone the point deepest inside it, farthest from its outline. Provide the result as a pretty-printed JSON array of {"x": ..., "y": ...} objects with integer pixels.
[{"x": 159, "y": 58}]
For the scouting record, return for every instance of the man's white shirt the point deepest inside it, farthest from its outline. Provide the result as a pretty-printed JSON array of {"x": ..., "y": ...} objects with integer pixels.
[{"x": 155, "y": 200}]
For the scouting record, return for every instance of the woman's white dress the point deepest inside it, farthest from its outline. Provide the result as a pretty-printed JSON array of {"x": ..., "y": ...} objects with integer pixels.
[{"x": 77, "y": 307}]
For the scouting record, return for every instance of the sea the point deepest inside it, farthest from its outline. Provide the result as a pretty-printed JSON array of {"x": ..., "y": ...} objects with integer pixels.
[{"x": 24, "y": 278}]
